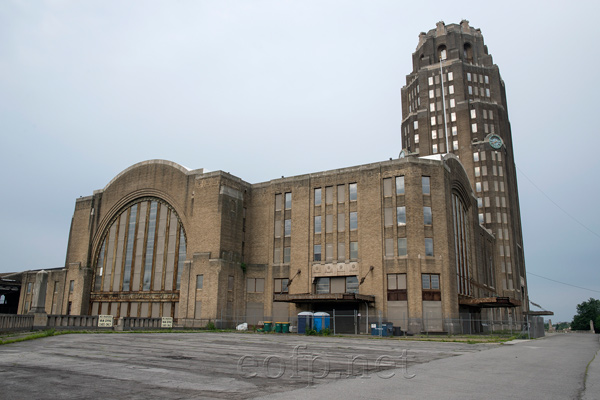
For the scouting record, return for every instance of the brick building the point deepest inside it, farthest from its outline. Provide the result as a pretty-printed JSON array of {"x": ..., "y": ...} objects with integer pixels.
[{"x": 402, "y": 238}]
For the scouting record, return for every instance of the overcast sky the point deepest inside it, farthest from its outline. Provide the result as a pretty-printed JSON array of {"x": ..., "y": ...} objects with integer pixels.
[{"x": 262, "y": 89}]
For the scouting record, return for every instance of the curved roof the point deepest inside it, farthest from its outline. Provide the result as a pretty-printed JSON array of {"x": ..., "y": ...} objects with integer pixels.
[{"x": 171, "y": 164}]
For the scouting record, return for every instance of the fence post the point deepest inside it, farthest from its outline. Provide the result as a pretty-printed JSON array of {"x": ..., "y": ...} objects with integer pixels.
[{"x": 334, "y": 321}]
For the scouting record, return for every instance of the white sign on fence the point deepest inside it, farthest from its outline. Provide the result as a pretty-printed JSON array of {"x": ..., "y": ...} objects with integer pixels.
[
  {"x": 105, "y": 321},
  {"x": 167, "y": 322}
]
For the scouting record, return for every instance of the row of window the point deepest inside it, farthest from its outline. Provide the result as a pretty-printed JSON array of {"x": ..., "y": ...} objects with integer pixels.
[
  {"x": 501, "y": 218},
  {"x": 500, "y": 202},
  {"x": 479, "y": 186},
  {"x": 481, "y": 156},
  {"x": 341, "y": 223},
  {"x": 341, "y": 194},
  {"x": 483, "y": 170},
  {"x": 402, "y": 249},
  {"x": 341, "y": 252}
]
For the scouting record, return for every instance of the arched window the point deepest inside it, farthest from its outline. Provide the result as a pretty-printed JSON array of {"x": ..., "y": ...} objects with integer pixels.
[
  {"x": 441, "y": 52},
  {"x": 468, "y": 53},
  {"x": 142, "y": 250},
  {"x": 461, "y": 244}
]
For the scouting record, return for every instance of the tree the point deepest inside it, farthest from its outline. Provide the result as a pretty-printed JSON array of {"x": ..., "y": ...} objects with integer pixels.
[{"x": 586, "y": 311}]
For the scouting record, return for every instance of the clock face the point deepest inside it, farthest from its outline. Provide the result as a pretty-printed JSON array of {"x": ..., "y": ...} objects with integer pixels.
[{"x": 495, "y": 142}]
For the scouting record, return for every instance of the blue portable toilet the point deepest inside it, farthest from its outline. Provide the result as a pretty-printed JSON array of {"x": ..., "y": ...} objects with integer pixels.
[
  {"x": 322, "y": 321},
  {"x": 305, "y": 321}
]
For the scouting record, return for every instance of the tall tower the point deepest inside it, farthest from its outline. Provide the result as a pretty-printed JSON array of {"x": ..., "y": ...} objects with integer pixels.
[{"x": 452, "y": 65}]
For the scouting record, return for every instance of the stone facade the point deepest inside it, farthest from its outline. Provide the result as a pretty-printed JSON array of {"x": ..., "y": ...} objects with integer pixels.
[
  {"x": 400, "y": 238},
  {"x": 474, "y": 101}
]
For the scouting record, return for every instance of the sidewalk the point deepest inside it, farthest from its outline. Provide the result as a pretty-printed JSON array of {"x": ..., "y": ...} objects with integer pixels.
[{"x": 592, "y": 381}]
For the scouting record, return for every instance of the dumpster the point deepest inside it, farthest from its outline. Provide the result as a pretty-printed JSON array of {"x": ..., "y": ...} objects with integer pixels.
[
  {"x": 388, "y": 329},
  {"x": 305, "y": 320},
  {"x": 322, "y": 321},
  {"x": 285, "y": 327},
  {"x": 268, "y": 326}
]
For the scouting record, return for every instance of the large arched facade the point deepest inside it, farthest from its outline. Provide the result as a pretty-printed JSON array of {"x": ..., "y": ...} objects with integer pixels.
[{"x": 139, "y": 261}]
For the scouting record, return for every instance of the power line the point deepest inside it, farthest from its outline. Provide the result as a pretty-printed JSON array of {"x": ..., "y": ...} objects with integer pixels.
[
  {"x": 563, "y": 283},
  {"x": 556, "y": 204}
]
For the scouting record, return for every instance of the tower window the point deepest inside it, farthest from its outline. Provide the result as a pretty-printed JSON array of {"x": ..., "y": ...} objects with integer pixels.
[
  {"x": 441, "y": 52},
  {"x": 468, "y": 53}
]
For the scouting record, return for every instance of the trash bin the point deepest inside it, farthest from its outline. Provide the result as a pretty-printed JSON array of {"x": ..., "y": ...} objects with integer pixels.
[
  {"x": 397, "y": 331},
  {"x": 268, "y": 326},
  {"x": 285, "y": 327},
  {"x": 376, "y": 330},
  {"x": 322, "y": 321},
  {"x": 305, "y": 319},
  {"x": 278, "y": 327},
  {"x": 388, "y": 329}
]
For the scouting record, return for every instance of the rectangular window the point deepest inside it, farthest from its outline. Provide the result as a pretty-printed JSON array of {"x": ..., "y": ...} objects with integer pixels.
[
  {"x": 453, "y": 117},
  {"x": 487, "y": 79},
  {"x": 477, "y": 171},
  {"x": 341, "y": 222},
  {"x": 278, "y": 202},
  {"x": 451, "y": 89},
  {"x": 288, "y": 201},
  {"x": 388, "y": 216},
  {"x": 230, "y": 282},
  {"x": 329, "y": 195},
  {"x": 427, "y": 218},
  {"x": 474, "y": 128},
  {"x": 487, "y": 92},
  {"x": 455, "y": 144},
  {"x": 473, "y": 114},
  {"x": 341, "y": 251},
  {"x": 478, "y": 186},
  {"x": 399, "y": 185},
  {"x": 328, "y": 223},
  {"x": 29, "y": 287},
  {"x": 71, "y": 286},
  {"x": 481, "y": 218},
  {"x": 318, "y": 224},
  {"x": 199, "y": 282},
  {"x": 416, "y": 138},
  {"x": 479, "y": 202},
  {"x": 431, "y": 94},
  {"x": 434, "y": 134},
  {"x": 454, "y": 131},
  {"x": 470, "y": 90},
  {"x": 402, "y": 249},
  {"x": 469, "y": 76},
  {"x": 341, "y": 193},
  {"x": 288, "y": 227},
  {"x": 416, "y": 125},
  {"x": 432, "y": 107},
  {"x": 430, "y": 281},
  {"x": 452, "y": 103},
  {"x": 351, "y": 284},
  {"x": 255, "y": 285},
  {"x": 329, "y": 252},
  {"x": 278, "y": 228},
  {"x": 430, "y": 80},
  {"x": 277, "y": 255},
  {"x": 433, "y": 120},
  {"x": 429, "y": 247},
  {"x": 425, "y": 184},
  {"x": 322, "y": 285},
  {"x": 281, "y": 285},
  {"x": 387, "y": 187},
  {"x": 450, "y": 76},
  {"x": 353, "y": 221},
  {"x": 318, "y": 197},
  {"x": 353, "y": 250},
  {"x": 317, "y": 252},
  {"x": 476, "y": 157},
  {"x": 401, "y": 215},
  {"x": 287, "y": 251},
  {"x": 389, "y": 247},
  {"x": 353, "y": 191},
  {"x": 434, "y": 148}
]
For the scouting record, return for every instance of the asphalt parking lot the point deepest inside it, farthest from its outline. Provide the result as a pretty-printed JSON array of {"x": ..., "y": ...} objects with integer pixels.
[{"x": 203, "y": 365}]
